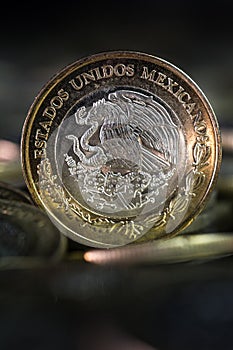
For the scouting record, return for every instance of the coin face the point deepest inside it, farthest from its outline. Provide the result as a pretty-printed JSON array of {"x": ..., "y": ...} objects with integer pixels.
[{"x": 119, "y": 147}]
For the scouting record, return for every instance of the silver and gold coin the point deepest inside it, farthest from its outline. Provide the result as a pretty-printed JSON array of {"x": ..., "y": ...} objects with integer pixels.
[{"x": 121, "y": 147}]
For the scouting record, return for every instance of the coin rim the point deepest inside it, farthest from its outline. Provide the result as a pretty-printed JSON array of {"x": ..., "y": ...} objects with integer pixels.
[{"x": 68, "y": 69}]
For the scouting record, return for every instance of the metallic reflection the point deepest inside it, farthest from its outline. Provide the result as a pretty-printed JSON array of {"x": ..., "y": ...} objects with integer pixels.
[{"x": 178, "y": 249}]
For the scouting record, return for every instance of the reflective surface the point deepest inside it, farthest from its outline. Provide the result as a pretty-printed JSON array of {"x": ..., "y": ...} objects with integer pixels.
[{"x": 121, "y": 146}]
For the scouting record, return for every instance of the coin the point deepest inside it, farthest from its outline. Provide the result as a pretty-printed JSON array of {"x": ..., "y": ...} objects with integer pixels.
[
  {"x": 119, "y": 147},
  {"x": 26, "y": 230},
  {"x": 193, "y": 247},
  {"x": 9, "y": 192}
]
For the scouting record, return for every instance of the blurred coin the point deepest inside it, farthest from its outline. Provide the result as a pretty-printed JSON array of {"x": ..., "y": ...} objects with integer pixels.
[
  {"x": 216, "y": 219},
  {"x": 25, "y": 230},
  {"x": 9, "y": 151},
  {"x": 11, "y": 193},
  {"x": 225, "y": 186},
  {"x": 119, "y": 146},
  {"x": 10, "y": 165},
  {"x": 182, "y": 248},
  {"x": 226, "y": 167},
  {"x": 225, "y": 180},
  {"x": 227, "y": 139}
]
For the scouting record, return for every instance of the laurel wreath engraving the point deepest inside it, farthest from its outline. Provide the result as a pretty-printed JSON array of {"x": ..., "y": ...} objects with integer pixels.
[
  {"x": 195, "y": 179},
  {"x": 48, "y": 184},
  {"x": 50, "y": 187}
]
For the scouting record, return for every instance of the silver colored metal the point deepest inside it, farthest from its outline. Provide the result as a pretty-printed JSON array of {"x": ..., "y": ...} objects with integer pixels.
[{"x": 129, "y": 150}]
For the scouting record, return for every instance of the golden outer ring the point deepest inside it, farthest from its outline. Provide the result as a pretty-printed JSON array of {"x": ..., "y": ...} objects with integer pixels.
[{"x": 66, "y": 71}]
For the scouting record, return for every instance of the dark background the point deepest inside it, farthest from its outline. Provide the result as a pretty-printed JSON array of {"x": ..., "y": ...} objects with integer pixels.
[
  {"x": 76, "y": 305},
  {"x": 39, "y": 38}
]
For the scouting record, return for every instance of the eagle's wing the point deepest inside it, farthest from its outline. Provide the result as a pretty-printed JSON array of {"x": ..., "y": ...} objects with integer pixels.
[
  {"x": 158, "y": 134},
  {"x": 116, "y": 136}
]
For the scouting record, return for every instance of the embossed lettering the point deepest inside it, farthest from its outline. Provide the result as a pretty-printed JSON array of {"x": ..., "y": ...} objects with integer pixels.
[
  {"x": 182, "y": 96},
  {"x": 76, "y": 83},
  {"x": 119, "y": 70},
  {"x": 160, "y": 79},
  {"x": 190, "y": 107},
  {"x": 103, "y": 72},
  {"x": 63, "y": 94},
  {"x": 40, "y": 143},
  {"x": 46, "y": 125},
  {"x": 49, "y": 112},
  {"x": 176, "y": 94},
  {"x": 97, "y": 72},
  {"x": 40, "y": 135},
  {"x": 107, "y": 71},
  {"x": 148, "y": 76},
  {"x": 40, "y": 153},
  {"x": 130, "y": 70},
  {"x": 170, "y": 85},
  {"x": 88, "y": 77},
  {"x": 56, "y": 102}
]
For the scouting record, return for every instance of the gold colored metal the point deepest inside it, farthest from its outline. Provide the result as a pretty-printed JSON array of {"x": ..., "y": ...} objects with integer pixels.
[{"x": 121, "y": 147}]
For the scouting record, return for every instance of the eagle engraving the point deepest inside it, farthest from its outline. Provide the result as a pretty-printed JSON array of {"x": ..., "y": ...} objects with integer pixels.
[{"x": 128, "y": 151}]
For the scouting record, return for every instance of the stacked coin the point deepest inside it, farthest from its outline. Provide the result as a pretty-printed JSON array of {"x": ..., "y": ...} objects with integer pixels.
[{"x": 27, "y": 236}]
